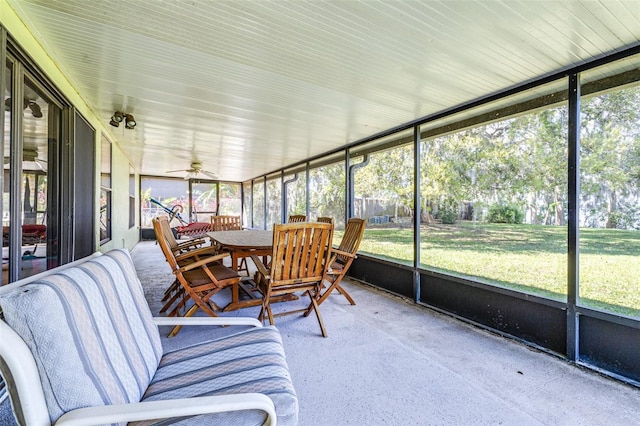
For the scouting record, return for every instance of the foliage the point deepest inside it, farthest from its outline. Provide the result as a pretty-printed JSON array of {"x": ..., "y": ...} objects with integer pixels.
[
  {"x": 327, "y": 192},
  {"x": 530, "y": 258},
  {"x": 505, "y": 213},
  {"x": 387, "y": 178},
  {"x": 448, "y": 211}
]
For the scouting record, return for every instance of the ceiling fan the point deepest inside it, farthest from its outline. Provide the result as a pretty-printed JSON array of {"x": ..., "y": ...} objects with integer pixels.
[{"x": 194, "y": 171}]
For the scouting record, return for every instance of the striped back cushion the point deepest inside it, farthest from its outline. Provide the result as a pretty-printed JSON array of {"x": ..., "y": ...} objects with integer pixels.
[{"x": 90, "y": 331}]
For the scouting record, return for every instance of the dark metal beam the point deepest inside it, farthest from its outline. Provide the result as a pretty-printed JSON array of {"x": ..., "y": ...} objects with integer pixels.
[{"x": 573, "y": 236}]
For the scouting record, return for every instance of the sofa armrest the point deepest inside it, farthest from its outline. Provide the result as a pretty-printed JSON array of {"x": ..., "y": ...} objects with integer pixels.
[
  {"x": 207, "y": 321},
  {"x": 149, "y": 410}
]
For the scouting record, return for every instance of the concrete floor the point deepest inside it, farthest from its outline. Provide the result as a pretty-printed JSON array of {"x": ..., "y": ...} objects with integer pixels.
[{"x": 388, "y": 361}]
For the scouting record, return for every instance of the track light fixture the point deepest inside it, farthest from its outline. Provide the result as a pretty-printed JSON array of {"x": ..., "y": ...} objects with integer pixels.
[
  {"x": 35, "y": 109},
  {"x": 27, "y": 103},
  {"x": 118, "y": 117},
  {"x": 130, "y": 122}
]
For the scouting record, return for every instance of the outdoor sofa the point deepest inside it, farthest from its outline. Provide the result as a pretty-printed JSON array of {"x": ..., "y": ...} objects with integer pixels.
[{"x": 79, "y": 345}]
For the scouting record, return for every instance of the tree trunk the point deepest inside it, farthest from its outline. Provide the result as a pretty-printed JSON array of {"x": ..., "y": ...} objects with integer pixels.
[
  {"x": 612, "y": 207},
  {"x": 559, "y": 209}
]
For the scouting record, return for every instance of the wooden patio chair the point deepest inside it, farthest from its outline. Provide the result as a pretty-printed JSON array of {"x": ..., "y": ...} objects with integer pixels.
[
  {"x": 226, "y": 223},
  {"x": 295, "y": 218},
  {"x": 229, "y": 223},
  {"x": 342, "y": 257},
  {"x": 324, "y": 219},
  {"x": 201, "y": 277},
  {"x": 298, "y": 262},
  {"x": 174, "y": 291},
  {"x": 177, "y": 247},
  {"x": 162, "y": 230}
]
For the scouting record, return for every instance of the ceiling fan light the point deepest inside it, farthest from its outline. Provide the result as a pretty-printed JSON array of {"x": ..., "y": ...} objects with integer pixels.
[
  {"x": 114, "y": 123},
  {"x": 130, "y": 122}
]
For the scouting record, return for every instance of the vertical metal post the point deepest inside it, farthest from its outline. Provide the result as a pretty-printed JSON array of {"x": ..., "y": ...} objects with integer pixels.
[
  {"x": 416, "y": 212},
  {"x": 351, "y": 179},
  {"x": 307, "y": 170},
  {"x": 251, "y": 205},
  {"x": 348, "y": 211},
  {"x": 285, "y": 195},
  {"x": 573, "y": 250},
  {"x": 283, "y": 198},
  {"x": 242, "y": 207},
  {"x": 264, "y": 202},
  {"x": 217, "y": 198}
]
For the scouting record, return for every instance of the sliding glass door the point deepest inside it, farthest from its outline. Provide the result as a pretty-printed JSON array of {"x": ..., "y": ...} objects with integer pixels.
[{"x": 32, "y": 126}]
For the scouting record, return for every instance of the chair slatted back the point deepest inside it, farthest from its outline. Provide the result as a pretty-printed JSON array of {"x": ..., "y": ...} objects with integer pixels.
[
  {"x": 166, "y": 232},
  {"x": 324, "y": 219},
  {"x": 300, "y": 252},
  {"x": 296, "y": 218},
  {"x": 164, "y": 242},
  {"x": 353, "y": 233},
  {"x": 226, "y": 223}
]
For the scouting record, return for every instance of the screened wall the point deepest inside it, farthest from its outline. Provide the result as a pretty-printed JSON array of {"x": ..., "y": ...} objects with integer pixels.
[{"x": 520, "y": 213}]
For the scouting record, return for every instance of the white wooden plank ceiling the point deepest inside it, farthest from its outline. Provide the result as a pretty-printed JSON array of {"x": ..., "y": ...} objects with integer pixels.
[{"x": 246, "y": 87}]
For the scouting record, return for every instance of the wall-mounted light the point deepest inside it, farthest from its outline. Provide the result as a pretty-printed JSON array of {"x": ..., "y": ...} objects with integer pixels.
[
  {"x": 35, "y": 109},
  {"x": 118, "y": 117},
  {"x": 27, "y": 103},
  {"x": 129, "y": 122}
]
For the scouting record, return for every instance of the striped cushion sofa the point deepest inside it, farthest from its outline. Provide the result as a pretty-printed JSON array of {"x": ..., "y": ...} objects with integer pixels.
[{"x": 79, "y": 345}]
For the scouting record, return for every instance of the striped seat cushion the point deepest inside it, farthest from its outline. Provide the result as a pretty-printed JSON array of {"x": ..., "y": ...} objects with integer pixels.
[
  {"x": 250, "y": 361},
  {"x": 90, "y": 331}
]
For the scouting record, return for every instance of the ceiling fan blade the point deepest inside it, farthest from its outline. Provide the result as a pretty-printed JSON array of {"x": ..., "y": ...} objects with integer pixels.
[
  {"x": 175, "y": 171},
  {"x": 211, "y": 175}
]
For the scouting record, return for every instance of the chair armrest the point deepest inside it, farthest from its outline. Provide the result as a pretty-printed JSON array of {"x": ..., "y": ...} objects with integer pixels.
[
  {"x": 192, "y": 242},
  {"x": 342, "y": 253},
  {"x": 261, "y": 268},
  {"x": 149, "y": 410},
  {"x": 195, "y": 252},
  {"x": 201, "y": 262},
  {"x": 207, "y": 321}
]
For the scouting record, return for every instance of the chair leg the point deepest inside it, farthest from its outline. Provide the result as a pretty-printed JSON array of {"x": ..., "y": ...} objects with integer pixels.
[
  {"x": 270, "y": 313},
  {"x": 267, "y": 309},
  {"x": 183, "y": 302},
  {"x": 335, "y": 285},
  {"x": 343, "y": 292},
  {"x": 315, "y": 307},
  {"x": 171, "y": 301},
  {"x": 175, "y": 286},
  {"x": 175, "y": 330},
  {"x": 243, "y": 266}
]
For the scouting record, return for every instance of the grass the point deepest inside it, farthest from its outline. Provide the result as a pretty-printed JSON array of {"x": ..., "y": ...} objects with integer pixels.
[{"x": 530, "y": 258}]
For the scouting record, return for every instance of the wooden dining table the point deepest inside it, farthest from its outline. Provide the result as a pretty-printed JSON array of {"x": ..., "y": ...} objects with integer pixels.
[
  {"x": 243, "y": 243},
  {"x": 240, "y": 245}
]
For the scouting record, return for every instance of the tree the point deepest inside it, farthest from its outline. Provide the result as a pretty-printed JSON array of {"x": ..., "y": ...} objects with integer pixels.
[{"x": 610, "y": 158}]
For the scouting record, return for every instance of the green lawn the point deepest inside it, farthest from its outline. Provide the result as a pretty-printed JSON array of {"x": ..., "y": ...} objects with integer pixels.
[{"x": 530, "y": 258}]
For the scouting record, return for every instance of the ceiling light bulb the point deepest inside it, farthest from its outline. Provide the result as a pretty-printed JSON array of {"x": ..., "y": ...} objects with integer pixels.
[
  {"x": 130, "y": 122},
  {"x": 117, "y": 117}
]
